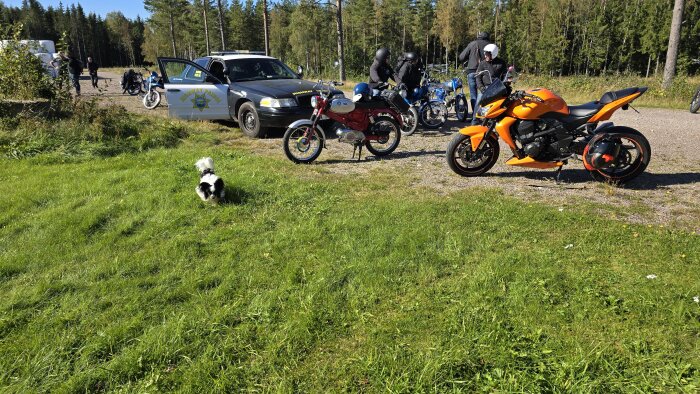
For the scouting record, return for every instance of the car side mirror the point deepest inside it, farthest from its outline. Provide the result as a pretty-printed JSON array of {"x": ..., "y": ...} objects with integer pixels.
[{"x": 300, "y": 71}]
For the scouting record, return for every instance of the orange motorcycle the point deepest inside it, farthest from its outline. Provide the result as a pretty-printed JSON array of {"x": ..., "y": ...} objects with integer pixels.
[{"x": 544, "y": 132}]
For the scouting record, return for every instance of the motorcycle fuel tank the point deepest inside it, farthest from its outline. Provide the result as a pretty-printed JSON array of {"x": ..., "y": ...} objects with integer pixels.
[
  {"x": 533, "y": 110},
  {"x": 342, "y": 106}
]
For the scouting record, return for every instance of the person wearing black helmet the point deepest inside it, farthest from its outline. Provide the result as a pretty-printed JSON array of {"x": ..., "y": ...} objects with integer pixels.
[
  {"x": 471, "y": 56},
  {"x": 409, "y": 71},
  {"x": 380, "y": 71}
]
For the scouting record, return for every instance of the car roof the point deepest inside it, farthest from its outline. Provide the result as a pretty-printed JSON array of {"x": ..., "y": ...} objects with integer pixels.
[{"x": 241, "y": 56}]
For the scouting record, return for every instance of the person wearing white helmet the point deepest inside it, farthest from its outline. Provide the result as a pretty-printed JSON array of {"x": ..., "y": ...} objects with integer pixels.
[{"x": 491, "y": 68}]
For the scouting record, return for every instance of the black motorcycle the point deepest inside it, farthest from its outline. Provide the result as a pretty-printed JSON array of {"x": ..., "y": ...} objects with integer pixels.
[
  {"x": 132, "y": 83},
  {"x": 695, "y": 102}
]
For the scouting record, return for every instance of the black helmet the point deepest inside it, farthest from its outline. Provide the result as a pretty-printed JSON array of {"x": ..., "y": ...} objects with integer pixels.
[
  {"x": 382, "y": 54},
  {"x": 482, "y": 35},
  {"x": 410, "y": 56}
]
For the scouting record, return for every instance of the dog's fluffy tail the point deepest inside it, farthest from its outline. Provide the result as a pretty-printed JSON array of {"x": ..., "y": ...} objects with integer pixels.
[{"x": 205, "y": 163}]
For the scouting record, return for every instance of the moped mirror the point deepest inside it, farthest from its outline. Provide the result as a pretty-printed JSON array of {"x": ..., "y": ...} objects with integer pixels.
[
  {"x": 300, "y": 71},
  {"x": 336, "y": 64}
]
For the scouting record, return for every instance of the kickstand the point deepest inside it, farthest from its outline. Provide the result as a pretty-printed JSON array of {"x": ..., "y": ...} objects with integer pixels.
[{"x": 557, "y": 176}]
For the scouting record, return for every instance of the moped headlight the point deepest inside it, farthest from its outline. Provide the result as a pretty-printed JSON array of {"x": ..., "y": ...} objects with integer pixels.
[
  {"x": 314, "y": 101},
  {"x": 278, "y": 103},
  {"x": 483, "y": 111}
]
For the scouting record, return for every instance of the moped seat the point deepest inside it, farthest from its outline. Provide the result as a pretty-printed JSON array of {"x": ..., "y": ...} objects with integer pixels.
[{"x": 371, "y": 104}]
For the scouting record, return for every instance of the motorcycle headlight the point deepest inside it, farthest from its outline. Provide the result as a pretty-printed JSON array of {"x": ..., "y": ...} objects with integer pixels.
[
  {"x": 483, "y": 111},
  {"x": 278, "y": 103},
  {"x": 314, "y": 101}
]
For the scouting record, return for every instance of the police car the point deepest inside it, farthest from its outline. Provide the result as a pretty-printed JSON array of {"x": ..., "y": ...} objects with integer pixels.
[{"x": 259, "y": 92}]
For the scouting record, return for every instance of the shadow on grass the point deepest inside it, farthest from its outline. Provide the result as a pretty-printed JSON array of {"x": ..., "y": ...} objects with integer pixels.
[
  {"x": 237, "y": 196},
  {"x": 645, "y": 181}
]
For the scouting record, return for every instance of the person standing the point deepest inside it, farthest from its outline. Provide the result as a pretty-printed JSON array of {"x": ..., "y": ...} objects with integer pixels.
[
  {"x": 492, "y": 68},
  {"x": 380, "y": 71},
  {"x": 472, "y": 55},
  {"x": 75, "y": 68},
  {"x": 92, "y": 70},
  {"x": 409, "y": 71}
]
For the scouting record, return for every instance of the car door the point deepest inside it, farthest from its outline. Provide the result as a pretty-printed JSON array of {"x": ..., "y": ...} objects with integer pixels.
[{"x": 192, "y": 91}]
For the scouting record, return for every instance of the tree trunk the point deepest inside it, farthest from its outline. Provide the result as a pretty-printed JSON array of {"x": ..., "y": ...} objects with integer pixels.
[
  {"x": 206, "y": 26},
  {"x": 266, "y": 25},
  {"x": 172, "y": 33},
  {"x": 673, "y": 41},
  {"x": 341, "y": 43},
  {"x": 648, "y": 66},
  {"x": 221, "y": 25}
]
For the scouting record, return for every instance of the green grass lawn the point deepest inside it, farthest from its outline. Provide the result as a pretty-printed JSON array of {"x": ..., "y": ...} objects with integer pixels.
[{"x": 115, "y": 277}]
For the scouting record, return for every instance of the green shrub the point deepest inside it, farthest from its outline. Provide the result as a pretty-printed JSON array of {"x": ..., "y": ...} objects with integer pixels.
[
  {"x": 88, "y": 130},
  {"x": 22, "y": 76}
]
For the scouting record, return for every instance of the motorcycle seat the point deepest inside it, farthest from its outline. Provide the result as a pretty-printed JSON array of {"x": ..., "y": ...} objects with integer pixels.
[
  {"x": 609, "y": 97},
  {"x": 584, "y": 110},
  {"x": 371, "y": 104}
]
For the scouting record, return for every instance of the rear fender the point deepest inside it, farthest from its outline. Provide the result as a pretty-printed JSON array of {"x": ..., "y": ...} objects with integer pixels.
[
  {"x": 606, "y": 112},
  {"x": 476, "y": 134},
  {"x": 307, "y": 122}
]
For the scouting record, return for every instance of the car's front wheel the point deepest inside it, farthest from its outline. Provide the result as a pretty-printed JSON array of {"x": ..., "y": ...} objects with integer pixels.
[{"x": 249, "y": 121}]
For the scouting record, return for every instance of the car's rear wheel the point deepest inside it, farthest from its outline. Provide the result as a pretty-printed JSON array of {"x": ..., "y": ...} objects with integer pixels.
[{"x": 249, "y": 121}]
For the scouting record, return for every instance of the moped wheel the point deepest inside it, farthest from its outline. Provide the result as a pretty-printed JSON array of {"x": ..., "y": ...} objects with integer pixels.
[
  {"x": 410, "y": 121},
  {"x": 465, "y": 162},
  {"x": 302, "y": 144},
  {"x": 461, "y": 108},
  {"x": 433, "y": 115},
  {"x": 695, "y": 104},
  {"x": 151, "y": 100},
  {"x": 634, "y": 156},
  {"x": 388, "y": 131}
]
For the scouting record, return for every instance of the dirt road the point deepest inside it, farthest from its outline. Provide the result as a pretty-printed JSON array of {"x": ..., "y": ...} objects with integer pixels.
[{"x": 667, "y": 193}]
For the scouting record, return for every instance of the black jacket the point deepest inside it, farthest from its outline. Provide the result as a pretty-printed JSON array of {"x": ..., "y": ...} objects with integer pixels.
[
  {"x": 496, "y": 69},
  {"x": 75, "y": 67},
  {"x": 379, "y": 73},
  {"x": 410, "y": 75},
  {"x": 473, "y": 54},
  {"x": 92, "y": 67}
]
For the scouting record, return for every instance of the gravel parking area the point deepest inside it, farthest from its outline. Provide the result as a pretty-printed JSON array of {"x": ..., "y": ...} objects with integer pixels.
[{"x": 668, "y": 193}]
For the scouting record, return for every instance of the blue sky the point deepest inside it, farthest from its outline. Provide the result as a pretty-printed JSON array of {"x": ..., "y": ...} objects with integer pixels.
[{"x": 130, "y": 8}]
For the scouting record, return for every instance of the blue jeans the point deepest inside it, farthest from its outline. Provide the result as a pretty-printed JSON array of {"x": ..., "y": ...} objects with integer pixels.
[
  {"x": 471, "y": 81},
  {"x": 75, "y": 80},
  {"x": 474, "y": 119}
]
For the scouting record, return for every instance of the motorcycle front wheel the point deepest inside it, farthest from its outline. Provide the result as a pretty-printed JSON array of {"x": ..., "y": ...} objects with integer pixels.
[
  {"x": 461, "y": 108},
  {"x": 433, "y": 115},
  {"x": 634, "y": 156},
  {"x": 465, "y": 162},
  {"x": 302, "y": 144},
  {"x": 388, "y": 132},
  {"x": 151, "y": 100},
  {"x": 695, "y": 103},
  {"x": 410, "y": 121}
]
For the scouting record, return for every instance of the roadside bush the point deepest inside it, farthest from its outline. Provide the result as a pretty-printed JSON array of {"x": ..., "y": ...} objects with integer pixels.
[
  {"x": 90, "y": 130},
  {"x": 22, "y": 76}
]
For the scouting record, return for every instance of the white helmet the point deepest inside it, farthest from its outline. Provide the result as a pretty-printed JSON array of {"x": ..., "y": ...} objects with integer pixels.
[{"x": 493, "y": 49}]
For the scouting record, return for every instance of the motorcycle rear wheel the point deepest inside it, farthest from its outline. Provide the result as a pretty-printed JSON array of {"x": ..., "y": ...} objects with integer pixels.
[
  {"x": 465, "y": 162},
  {"x": 695, "y": 104},
  {"x": 302, "y": 145},
  {"x": 461, "y": 108},
  {"x": 410, "y": 121},
  {"x": 151, "y": 100},
  {"x": 631, "y": 161},
  {"x": 433, "y": 115},
  {"x": 390, "y": 135},
  {"x": 134, "y": 89}
]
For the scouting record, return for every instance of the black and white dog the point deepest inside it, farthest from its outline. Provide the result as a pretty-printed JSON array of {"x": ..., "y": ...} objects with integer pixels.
[{"x": 211, "y": 187}]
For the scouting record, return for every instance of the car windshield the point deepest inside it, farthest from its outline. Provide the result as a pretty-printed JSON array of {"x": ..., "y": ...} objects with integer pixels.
[{"x": 256, "y": 69}]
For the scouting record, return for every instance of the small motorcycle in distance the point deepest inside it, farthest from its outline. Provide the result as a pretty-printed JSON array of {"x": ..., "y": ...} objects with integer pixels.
[
  {"x": 374, "y": 123},
  {"x": 132, "y": 82},
  {"x": 151, "y": 99},
  {"x": 695, "y": 102}
]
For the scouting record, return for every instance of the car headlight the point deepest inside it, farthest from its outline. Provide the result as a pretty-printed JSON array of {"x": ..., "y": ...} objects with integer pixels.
[
  {"x": 278, "y": 103},
  {"x": 483, "y": 111}
]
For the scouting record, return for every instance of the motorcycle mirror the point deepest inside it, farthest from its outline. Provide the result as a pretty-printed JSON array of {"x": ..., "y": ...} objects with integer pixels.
[{"x": 300, "y": 71}]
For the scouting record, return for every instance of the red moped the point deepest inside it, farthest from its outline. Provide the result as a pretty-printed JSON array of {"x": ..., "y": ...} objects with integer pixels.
[{"x": 374, "y": 123}]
